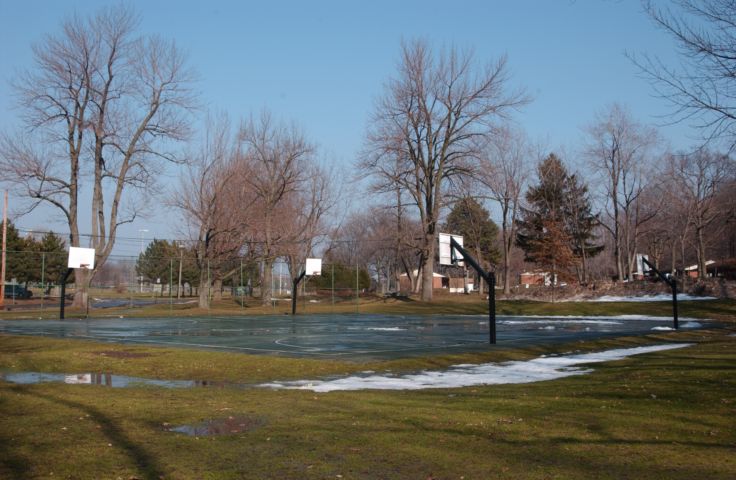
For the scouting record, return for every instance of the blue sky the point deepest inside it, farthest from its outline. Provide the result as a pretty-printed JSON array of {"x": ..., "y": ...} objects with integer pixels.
[{"x": 322, "y": 63}]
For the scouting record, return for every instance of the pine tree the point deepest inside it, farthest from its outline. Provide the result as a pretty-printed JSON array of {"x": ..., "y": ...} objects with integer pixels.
[
  {"x": 155, "y": 263},
  {"x": 582, "y": 223},
  {"x": 556, "y": 230},
  {"x": 53, "y": 253},
  {"x": 469, "y": 219}
]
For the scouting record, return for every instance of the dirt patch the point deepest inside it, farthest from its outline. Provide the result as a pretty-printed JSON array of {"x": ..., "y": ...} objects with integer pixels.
[{"x": 123, "y": 354}]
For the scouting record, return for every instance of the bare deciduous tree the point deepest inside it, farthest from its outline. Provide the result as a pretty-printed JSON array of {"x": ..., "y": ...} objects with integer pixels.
[
  {"x": 426, "y": 129},
  {"x": 103, "y": 104},
  {"x": 279, "y": 157},
  {"x": 699, "y": 178},
  {"x": 504, "y": 171},
  {"x": 619, "y": 150},
  {"x": 701, "y": 88},
  {"x": 210, "y": 198}
]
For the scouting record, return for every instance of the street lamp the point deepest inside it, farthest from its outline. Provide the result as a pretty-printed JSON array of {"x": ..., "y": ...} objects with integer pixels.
[{"x": 141, "y": 231}]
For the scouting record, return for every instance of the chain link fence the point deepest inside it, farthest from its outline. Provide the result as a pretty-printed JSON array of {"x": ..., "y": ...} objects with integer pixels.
[{"x": 33, "y": 282}]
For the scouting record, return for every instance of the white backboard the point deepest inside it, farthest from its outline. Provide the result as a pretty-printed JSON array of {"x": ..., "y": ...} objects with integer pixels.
[
  {"x": 81, "y": 258},
  {"x": 445, "y": 251},
  {"x": 313, "y": 267}
]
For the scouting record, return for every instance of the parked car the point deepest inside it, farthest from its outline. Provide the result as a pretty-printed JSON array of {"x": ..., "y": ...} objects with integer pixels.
[{"x": 17, "y": 291}]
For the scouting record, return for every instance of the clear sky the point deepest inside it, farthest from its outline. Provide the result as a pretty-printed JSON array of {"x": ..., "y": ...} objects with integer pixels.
[{"x": 322, "y": 63}]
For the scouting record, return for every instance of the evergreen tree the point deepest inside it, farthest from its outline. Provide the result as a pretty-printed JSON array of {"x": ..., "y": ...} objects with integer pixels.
[
  {"x": 344, "y": 277},
  {"x": 155, "y": 263},
  {"x": 20, "y": 258},
  {"x": 469, "y": 219},
  {"x": 556, "y": 230},
  {"x": 53, "y": 254},
  {"x": 582, "y": 223}
]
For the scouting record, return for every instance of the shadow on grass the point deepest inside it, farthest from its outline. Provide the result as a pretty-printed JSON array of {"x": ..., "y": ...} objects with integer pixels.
[
  {"x": 14, "y": 466},
  {"x": 149, "y": 467}
]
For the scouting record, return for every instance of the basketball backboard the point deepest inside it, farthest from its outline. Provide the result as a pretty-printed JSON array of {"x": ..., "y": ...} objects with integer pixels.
[
  {"x": 446, "y": 256},
  {"x": 313, "y": 267},
  {"x": 81, "y": 258}
]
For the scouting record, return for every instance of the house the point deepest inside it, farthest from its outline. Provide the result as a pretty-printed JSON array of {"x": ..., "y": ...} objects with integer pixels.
[
  {"x": 535, "y": 278},
  {"x": 692, "y": 270},
  {"x": 439, "y": 281}
]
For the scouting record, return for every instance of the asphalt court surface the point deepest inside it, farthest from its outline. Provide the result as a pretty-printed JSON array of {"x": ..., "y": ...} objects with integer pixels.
[{"x": 358, "y": 336}]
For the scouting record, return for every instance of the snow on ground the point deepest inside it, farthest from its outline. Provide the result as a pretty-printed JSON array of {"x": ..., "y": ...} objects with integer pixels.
[
  {"x": 578, "y": 319},
  {"x": 536, "y": 370},
  {"x": 684, "y": 325},
  {"x": 662, "y": 297}
]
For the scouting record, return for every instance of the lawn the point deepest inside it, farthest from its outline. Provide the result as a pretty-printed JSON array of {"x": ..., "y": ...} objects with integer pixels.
[{"x": 667, "y": 415}]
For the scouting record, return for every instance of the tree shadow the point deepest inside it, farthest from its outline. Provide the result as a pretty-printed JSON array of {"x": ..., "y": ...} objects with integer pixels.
[{"x": 149, "y": 466}]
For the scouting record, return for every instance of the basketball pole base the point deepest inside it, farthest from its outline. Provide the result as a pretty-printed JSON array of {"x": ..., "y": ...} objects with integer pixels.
[{"x": 63, "y": 292}]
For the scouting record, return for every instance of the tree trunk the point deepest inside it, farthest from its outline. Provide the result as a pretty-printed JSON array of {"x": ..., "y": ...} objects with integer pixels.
[
  {"x": 702, "y": 267},
  {"x": 427, "y": 277},
  {"x": 428, "y": 268},
  {"x": 204, "y": 288},
  {"x": 266, "y": 290},
  {"x": 82, "y": 281},
  {"x": 217, "y": 289}
]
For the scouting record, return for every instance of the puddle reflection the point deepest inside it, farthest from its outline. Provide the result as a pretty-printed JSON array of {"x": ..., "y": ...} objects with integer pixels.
[{"x": 105, "y": 379}]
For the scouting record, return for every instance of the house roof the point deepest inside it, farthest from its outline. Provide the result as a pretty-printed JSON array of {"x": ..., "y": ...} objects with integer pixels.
[
  {"x": 695, "y": 267},
  {"x": 434, "y": 274}
]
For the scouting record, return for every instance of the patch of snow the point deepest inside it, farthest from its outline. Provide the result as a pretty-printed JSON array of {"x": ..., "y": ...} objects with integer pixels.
[
  {"x": 535, "y": 370},
  {"x": 663, "y": 329},
  {"x": 662, "y": 297},
  {"x": 561, "y": 320},
  {"x": 599, "y": 320},
  {"x": 386, "y": 329},
  {"x": 692, "y": 325}
]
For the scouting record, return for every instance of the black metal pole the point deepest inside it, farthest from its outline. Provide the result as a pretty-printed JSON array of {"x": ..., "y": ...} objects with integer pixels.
[
  {"x": 492, "y": 307},
  {"x": 63, "y": 292},
  {"x": 672, "y": 282},
  {"x": 490, "y": 278},
  {"x": 293, "y": 292},
  {"x": 674, "y": 304}
]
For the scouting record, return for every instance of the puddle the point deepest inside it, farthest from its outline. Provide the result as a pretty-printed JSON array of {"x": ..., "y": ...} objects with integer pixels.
[
  {"x": 104, "y": 379},
  {"x": 220, "y": 426}
]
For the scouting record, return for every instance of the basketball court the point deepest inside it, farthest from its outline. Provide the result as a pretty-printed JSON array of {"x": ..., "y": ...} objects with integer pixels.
[{"x": 352, "y": 337}]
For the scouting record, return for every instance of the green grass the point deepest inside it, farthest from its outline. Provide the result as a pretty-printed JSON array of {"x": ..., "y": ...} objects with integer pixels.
[{"x": 666, "y": 415}]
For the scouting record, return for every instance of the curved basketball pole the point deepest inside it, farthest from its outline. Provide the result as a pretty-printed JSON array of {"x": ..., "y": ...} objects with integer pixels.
[
  {"x": 294, "y": 290},
  {"x": 488, "y": 276},
  {"x": 672, "y": 282}
]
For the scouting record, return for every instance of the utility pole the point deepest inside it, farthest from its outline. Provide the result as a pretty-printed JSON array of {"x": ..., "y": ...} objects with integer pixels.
[
  {"x": 181, "y": 260},
  {"x": 5, "y": 243}
]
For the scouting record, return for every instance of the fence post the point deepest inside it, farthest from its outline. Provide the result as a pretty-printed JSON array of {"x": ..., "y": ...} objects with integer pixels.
[
  {"x": 171, "y": 280},
  {"x": 43, "y": 277}
]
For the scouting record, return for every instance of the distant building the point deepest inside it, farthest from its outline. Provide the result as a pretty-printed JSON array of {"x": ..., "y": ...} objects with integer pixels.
[
  {"x": 692, "y": 270},
  {"x": 439, "y": 282},
  {"x": 535, "y": 278}
]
